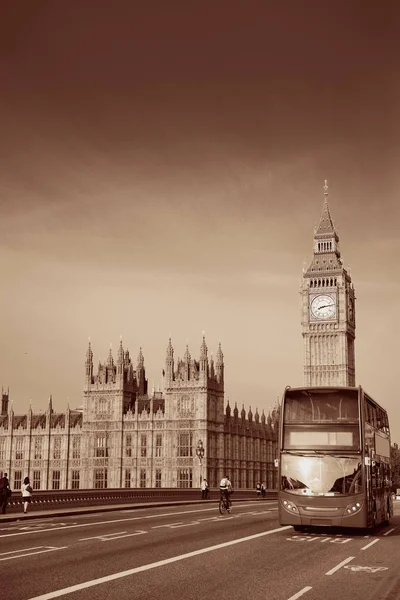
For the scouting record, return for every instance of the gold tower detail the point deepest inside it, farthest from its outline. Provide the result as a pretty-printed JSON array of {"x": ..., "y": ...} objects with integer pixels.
[{"x": 328, "y": 311}]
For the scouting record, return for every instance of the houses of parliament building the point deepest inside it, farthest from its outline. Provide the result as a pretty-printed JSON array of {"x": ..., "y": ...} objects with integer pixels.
[{"x": 126, "y": 436}]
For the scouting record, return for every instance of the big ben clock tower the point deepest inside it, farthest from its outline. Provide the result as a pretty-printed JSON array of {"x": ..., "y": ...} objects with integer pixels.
[{"x": 328, "y": 311}]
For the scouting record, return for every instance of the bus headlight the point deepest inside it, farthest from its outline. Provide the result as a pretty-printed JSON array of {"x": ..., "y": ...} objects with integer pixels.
[
  {"x": 352, "y": 508},
  {"x": 290, "y": 506}
]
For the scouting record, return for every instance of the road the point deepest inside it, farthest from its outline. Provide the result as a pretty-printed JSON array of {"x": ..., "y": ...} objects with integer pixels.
[{"x": 192, "y": 552}]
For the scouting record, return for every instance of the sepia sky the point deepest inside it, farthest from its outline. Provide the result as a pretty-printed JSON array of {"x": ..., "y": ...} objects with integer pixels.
[{"x": 161, "y": 173}]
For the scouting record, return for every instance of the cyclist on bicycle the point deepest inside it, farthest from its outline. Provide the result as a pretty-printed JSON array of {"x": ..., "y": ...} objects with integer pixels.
[{"x": 225, "y": 488}]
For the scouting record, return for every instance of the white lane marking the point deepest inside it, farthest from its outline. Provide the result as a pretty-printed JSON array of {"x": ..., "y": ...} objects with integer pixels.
[
  {"x": 340, "y": 565},
  {"x": 160, "y": 563},
  {"x": 366, "y": 569},
  {"x": 152, "y": 516},
  {"x": 109, "y": 537},
  {"x": 300, "y": 593},
  {"x": 23, "y": 553},
  {"x": 370, "y": 544},
  {"x": 23, "y": 550},
  {"x": 390, "y": 531}
]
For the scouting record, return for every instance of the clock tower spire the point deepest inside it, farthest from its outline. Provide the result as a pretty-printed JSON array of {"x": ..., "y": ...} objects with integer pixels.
[{"x": 328, "y": 310}]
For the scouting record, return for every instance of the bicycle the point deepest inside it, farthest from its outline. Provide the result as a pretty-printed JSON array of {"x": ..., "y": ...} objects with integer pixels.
[{"x": 224, "y": 504}]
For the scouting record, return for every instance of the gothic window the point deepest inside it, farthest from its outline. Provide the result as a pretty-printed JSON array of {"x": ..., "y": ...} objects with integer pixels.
[
  {"x": 158, "y": 478},
  {"x": 158, "y": 445},
  {"x": 76, "y": 447},
  {"x": 19, "y": 453},
  {"x": 36, "y": 480},
  {"x": 2, "y": 450},
  {"x": 17, "y": 480},
  {"x": 142, "y": 478},
  {"x": 184, "y": 405},
  {"x": 56, "y": 480},
  {"x": 37, "y": 452},
  {"x": 57, "y": 449},
  {"x": 127, "y": 478},
  {"x": 101, "y": 449},
  {"x": 185, "y": 443},
  {"x": 100, "y": 479},
  {"x": 184, "y": 478},
  {"x": 102, "y": 406},
  {"x": 75, "y": 480},
  {"x": 143, "y": 445},
  {"x": 128, "y": 445}
]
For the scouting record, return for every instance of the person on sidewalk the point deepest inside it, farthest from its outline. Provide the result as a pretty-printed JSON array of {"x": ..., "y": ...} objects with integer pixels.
[
  {"x": 26, "y": 493},
  {"x": 5, "y": 492},
  {"x": 204, "y": 489}
]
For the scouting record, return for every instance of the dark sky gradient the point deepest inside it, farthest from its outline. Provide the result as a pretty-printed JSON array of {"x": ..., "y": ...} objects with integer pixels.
[{"x": 161, "y": 172}]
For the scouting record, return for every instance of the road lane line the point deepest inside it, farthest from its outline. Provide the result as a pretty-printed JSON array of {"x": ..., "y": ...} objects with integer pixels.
[
  {"x": 160, "y": 563},
  {"x": 370, "y": 544},
  {"x": 300, "y": 593},
  {"x": 390, "y": 531},
  {"x": 23, "y": 555},
  {"x": 23, "y": 550},
  {"x": 340, "y": 565}
]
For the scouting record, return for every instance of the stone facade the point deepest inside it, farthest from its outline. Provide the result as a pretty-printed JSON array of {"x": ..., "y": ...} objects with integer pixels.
[
  {"x": 125, "y": 436},
  {"x": 328, "y": 311}
]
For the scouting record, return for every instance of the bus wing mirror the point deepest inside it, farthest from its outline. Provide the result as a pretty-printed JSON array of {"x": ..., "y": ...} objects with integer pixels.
[{"x": 276, "y": 462}]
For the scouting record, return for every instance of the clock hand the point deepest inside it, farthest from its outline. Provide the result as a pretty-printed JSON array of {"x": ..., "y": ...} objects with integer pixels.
[{"x": 325, "y": 306}]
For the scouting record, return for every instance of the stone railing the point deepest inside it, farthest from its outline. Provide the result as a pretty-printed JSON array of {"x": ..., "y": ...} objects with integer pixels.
[{"x": 53, "y": 499}]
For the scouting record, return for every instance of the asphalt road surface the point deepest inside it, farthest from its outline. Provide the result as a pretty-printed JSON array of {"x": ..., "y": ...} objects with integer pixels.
[{"x": 192, "y": 552}]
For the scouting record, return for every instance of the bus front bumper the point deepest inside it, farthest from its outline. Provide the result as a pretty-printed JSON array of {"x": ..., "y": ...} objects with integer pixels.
[{"x": 353, "y": 514}]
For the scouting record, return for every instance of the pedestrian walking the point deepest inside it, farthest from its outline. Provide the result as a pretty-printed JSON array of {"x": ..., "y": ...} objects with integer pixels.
[
  {"x": 5, "y": 492},
  {"x": 26, "y": 493},
  {"x": 204, "y": 489},
  {"x": 263, "y": 490},
  {"x": 258, "y": 490}
]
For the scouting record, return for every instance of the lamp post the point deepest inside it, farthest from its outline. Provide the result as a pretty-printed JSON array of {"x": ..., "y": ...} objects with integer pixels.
[{"x": 200, "y": 454}]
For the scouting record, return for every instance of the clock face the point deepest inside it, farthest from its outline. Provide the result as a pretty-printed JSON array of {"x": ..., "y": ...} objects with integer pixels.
[{"x": 323, "y": 307}]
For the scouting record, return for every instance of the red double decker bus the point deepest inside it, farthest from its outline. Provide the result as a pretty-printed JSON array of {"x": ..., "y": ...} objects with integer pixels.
[{"x": 334, "y": 459}]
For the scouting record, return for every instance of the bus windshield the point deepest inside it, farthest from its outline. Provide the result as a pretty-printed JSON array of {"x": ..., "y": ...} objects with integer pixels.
[
  {"x": 320, "y": 475},
  {"x": 321, "y": 406}
]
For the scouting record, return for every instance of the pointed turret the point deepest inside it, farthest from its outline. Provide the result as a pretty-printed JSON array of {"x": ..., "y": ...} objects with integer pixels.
[
  {"x": 110, "y": 360},
  {"x": 120, "y": 364},
  {"x": 326, "y": 257},
  {"x": 228, "y": 411},
  {"x": 169, "y": 364},
  {"x": 326, "y": 226},
  {"x": 89, "y": 363},
  {"x": 4, "y": 402},
  {"x": 203, "y": 357},
  {"x": 219, "y": 365},
  {"x": 120, "y": 354},
  {"x": 186, "y": 356},
  {"x": 140, "y": 373}
]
